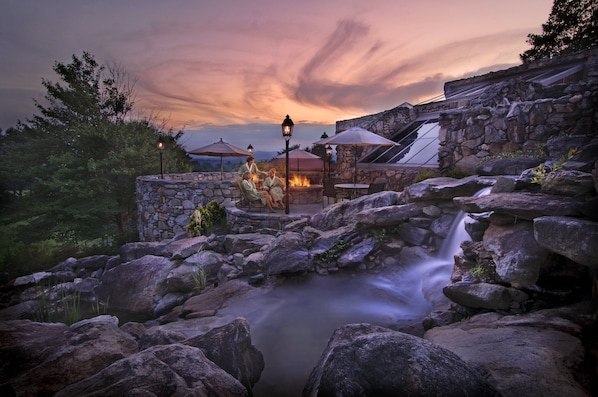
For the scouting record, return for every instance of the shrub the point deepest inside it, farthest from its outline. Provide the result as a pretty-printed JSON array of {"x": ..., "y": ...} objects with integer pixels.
[
  {"x": 425, "y": 174},
  {"x": 203, "y": 220}
]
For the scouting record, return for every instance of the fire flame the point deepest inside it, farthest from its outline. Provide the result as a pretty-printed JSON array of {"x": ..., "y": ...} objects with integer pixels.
[{"x": 299, "y": 181}]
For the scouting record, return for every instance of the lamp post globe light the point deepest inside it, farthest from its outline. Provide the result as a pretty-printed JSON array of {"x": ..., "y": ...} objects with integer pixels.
[
  {"x": 329, "y": 155},
  {"x": 250, "y": 149},
  {"x": 287, "y": 133},
  {"x": 160, "y": 146}
]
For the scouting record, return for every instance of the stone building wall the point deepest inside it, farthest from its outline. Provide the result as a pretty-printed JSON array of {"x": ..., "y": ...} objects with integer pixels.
[
  {"x": 164, "y": 205},
  {"x": 511, "y": 114}
]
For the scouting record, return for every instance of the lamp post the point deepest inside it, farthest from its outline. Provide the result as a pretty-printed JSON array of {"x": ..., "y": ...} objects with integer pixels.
[
  {"x": 160, "y": 146},
  {"x": 329, "y": 155},
  {"x": 250, "y": 149},
  {"x": 287, "y": 133},
  {"x": 324, "y": 136}
]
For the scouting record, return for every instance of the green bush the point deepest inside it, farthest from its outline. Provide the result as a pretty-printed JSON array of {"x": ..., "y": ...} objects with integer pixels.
[{"x": 203, "y": 220}]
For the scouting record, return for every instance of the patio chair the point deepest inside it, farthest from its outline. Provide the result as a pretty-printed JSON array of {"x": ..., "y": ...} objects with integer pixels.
[
  {"x": 329, "y": 191},
  {"x": 378, "y": 185},
  {"x": 245, "y": 202}
]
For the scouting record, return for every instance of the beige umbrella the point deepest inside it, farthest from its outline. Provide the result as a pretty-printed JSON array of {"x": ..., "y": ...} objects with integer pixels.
[
  {"x": 220, "y": 149},
  {"x": 302, "y": 159},
  {"x": 356, "y": 136}
]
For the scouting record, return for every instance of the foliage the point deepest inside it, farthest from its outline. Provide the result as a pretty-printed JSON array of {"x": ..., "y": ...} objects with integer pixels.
[
  {"x": 333, "y": 253},
  {"x": 541, "y": 172},
  {"x": 425, "y": 174},
  {"x": 572, "y": 26},
  {"x": 199, "y": 279},
  {"x": 67, "y": 307},
  {"x": 537, "y": 152},
  {"x": 68, "y": 174},
  {"x": 479, "y": 272},
  {"x": 457, "y": 173},
  {"x": 203, "y": 220}
]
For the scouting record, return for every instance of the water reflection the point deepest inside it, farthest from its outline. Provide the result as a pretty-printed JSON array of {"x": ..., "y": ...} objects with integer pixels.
[{"x": 292, "y": 324}]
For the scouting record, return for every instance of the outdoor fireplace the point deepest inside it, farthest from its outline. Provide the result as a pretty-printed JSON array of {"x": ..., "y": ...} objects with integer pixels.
[{"x": 302, "y": 191}]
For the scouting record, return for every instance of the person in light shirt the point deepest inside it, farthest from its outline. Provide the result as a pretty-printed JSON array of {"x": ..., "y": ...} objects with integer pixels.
[
  {"x": 253, "y": 194},
  {"x": 273, "y": 185},
  {"x": 251, "y": 167}
]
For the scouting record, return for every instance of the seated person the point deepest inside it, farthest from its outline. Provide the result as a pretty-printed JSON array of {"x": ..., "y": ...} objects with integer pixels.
[
  {"x": 253, "y": 194},
  {"x": 251, "y": 167},
  {"x": 273, "y": 185}
]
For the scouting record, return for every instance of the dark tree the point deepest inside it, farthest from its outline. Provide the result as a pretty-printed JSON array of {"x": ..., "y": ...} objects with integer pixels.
[
  {"x": 79, "y": 158},
  {"x": 572, "y": 26}
]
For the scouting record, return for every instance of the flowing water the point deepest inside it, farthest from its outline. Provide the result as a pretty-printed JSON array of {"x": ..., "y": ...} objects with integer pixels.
[{"x": 291, "y": 325}]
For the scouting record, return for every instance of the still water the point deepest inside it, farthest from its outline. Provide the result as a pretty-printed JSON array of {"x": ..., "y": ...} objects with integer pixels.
[{"x": 292, "y": 324}]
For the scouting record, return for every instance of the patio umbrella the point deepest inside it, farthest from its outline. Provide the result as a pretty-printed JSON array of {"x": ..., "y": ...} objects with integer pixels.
[
  {"x": 356, "y": 136},
  {"x": 303, "y": 160},
  {"x": 220, "y": 149}
]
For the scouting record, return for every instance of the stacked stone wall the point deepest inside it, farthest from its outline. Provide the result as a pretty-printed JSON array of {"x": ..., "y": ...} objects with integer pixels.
[{"x": 165, "y": 205}]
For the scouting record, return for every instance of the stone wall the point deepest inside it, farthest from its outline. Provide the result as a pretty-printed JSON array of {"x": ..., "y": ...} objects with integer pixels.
[
  {"x": 510, "y": 114},
  {"x": 164, "y": 205}
]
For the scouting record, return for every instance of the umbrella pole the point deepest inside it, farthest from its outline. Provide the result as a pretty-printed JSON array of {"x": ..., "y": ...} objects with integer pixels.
[{"x": 221, "y": 177}]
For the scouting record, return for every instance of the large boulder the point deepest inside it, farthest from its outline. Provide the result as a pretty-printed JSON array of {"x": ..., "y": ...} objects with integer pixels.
[
  {"x": 577, "y": 239},
  {"x": 388, "y": 216},
  {"x": 568, "y": 183},
  {"x": 517, "y": 256},
  {"x": 485, "y": 296},
  {"x": 287, "y": 254},
  {"x": 342, "y": 213},
  {"x": 170, "y": 370},
  {"x": 536, "y": 354},
  {"x": 524, "y": 205},
  {"x": 442, "y": 188},
  {"x": 368, "y": 360},
  {"x": 135, "y": 287},
  {"x": 231, "y": 349},
  {"x": 39, "y": 359}
]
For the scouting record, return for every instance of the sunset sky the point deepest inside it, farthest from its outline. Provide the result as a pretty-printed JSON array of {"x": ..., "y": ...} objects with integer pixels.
[{"x": 233, "y": 69}]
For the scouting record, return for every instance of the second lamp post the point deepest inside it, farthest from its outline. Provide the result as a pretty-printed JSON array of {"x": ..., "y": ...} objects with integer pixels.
[{"x": 287, "y": 133}]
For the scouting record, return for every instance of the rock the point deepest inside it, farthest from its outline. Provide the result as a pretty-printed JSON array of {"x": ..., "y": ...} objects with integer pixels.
[
  {"x": 172, "y": 370},
  {"x": 415, "y": 235},
  {"x": 342, "y": 213},
  {"x": 159, "y": 336},
  {"x": 442, "y": 225},
  {"x": 234, "y": 243},
  {"x": 536, "y": 354},
  {"x": 442, "y": 188},
  {"x": 184, "y": 248},
  {"x": 43, "y": 358},
  {"x": 388, "y": 216},
  {"x": 485, "y": 296},
  {"x": 136, "y": 286},
  {"x": 215, "y": 298},
  {"x": 230, "y": 348},
  {"x": 568, "y": 183},
  {"x": 577, "y": 239},
  {"x": 132, "y": 251},
  {"x": 208, "y": 261},
  {"x": 516, "y": 254},
  {"x": 368, "y": 360},
  {"x": 507, "y": 166},
  {"x": 522, "y": 204},
  {"x": 287, "y": 254},
  {"x": 475, "y": 227},
  {"x": 357, "y": 254}
]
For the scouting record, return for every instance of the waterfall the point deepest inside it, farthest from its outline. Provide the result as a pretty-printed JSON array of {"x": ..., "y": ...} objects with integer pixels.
[{"x": 457, "y": 233}]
